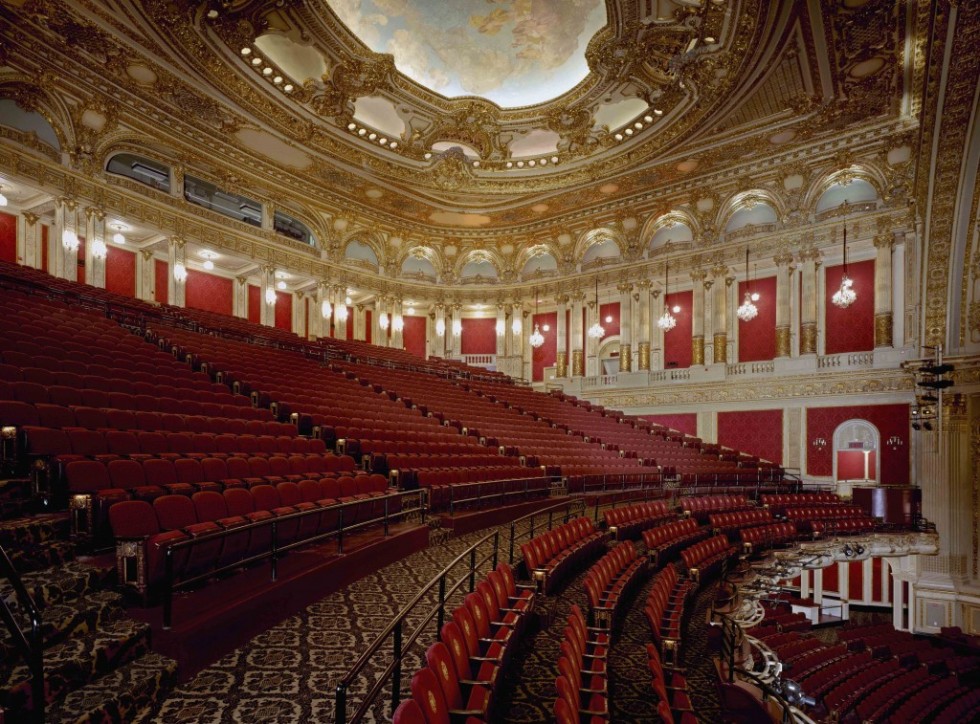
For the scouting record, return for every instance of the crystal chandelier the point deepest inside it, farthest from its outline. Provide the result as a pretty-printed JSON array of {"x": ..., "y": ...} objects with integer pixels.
[
  {"x": 180, "y": 274},
  {"x": 383, "y": 321},
  {"x": 325, "y": 309},
  {"x": 536, "y": 339},
  {"x": 342, "y": 312},
  {"x": 667, "y": 321},
  {"x": 596, "y": 331},
  {"x": 747, "y": 311},
  {"x": 398, "y": 323},
  {"x": 99, "y": 249},
  {"x": 845, "y": 296}
]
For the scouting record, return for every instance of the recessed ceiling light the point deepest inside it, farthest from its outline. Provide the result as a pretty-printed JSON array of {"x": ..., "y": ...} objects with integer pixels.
[
  {"x": 361, "y": 131},
  {"x": 256, "y": 61},
  {"x": 629, "y": 131},
  {"x": 208, "y": 264},
  {"x": 427, "y": 156},
  {"x": 280, "y": 285},
  {"x": 288, "y": 87},
  {"x": 618, "y": 136},
  {"x": 638, "y": 125},
  {"x": 543, "y": 162},
  {"x": 277, "y": 80},
  {"x": 520, "y": 164},
  {"x": 709, "y": 40},
  {"x": 554, "y": 159},
  {"x": 347, "y": 300},
  {"x": 476, "y": 164},
  {"x": 648, "y": 119},
  {"x": 212, "y": 14},
  {"x": 373, "y": 136},
  {"x": 532, "y": 163},
  {"x": 393, "y": 145},
  {"x": 657, "y": 112},
  {"x": 510, "y": 164},
  {"x": 351, "y": 126},
  {"x": 383, "y": 141},
  {"x": 267, "y": 71},
  {"x": 246, "y": 51}
]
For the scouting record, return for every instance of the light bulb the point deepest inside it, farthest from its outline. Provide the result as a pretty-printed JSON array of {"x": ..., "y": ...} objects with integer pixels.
[{"x": 118, "y": 238}]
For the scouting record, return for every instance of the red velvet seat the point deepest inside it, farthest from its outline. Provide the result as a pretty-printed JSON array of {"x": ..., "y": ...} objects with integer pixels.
[
  {"x": 475, "y": 699},
  {"x": 428, "y": 693},
  {"x": 163, "y": 474},
  {"x": 135, "y": 520},
  {"x": 176, "y": 512},
  {"x": 128, "y": 475},
  {"x": 210, "y": 506}
]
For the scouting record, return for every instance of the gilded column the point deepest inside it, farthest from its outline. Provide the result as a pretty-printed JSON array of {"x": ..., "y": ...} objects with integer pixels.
[
  {"x": 625, "y": 327},
  {"x": 578, "y": 354},
  {"x": 657, "y": 342},
  {"x": 63, "y": 243},
  {"x": 146, "y": 276},
  {"x": 239, "y": 301},
  {"x": 517, "y": 339},
  {"x": 456, "y": 330},
  {"x": 299, "y": 314},
  {"x": 95, "y": 246},
  {"x": 784, "y": 268},
  {"x": 643, "y": 326},
  {"x": 592, "y": 344},
  {"x": 359, "y": 323},
  {"x": 898, "y": 292},
  {"x": 340, "y": 312},
  {"x": 176, "y": 279},
  {"x": 719, "y": 313},
  {"x": 32, "y": 255},
  {"x": 267, "y": 304},
  {"x": 561, "y": 337},
  {"x": 697, "y": 318},
  {"x": 808, "y": 312},
  {"x": 883, "y": 289},
  {"x": 398, "y": 325}
]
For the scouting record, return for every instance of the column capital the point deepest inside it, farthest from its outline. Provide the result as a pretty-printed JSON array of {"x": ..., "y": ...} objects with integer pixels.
[
  {"x": 177, "y": 241},
  {"x": 698, "y": 275},
  {"x": 31, "y": 218},
  {"x": 644, "y": 285},
  {"x": 784, "y": 258},
  {"x": 719, "y": 271},
  {"x": 561, "y": 299},
  {"x": 147, "y": 254},
  {"x": 578, "y": 297},
  {"x": 624, "y": 287},
  {"x": 242, "y": 281},
  {"x": 884, "y": 241},
  {"x": 97, "y": 211}
]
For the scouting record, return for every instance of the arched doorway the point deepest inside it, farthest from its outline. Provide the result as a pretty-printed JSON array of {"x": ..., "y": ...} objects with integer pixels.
[
  {"x": 856, "y": 444},
  {"x": 609, "y": 355}
]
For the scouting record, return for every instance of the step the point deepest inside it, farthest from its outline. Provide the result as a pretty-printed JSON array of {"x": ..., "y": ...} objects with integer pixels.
[
  {"x": 74, "y": 664},
  {"x": 59, "y": 584},
  {"x": 129, "y": 694},
  {"x": 30, "y": 557},
  {"x": 62, "y": 621},
  {"x": 34, "y": 529},
  {"x": 15, "y": 489}
]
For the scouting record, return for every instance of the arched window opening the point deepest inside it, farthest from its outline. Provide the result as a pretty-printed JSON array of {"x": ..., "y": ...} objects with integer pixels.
[
  {"x": 144, "y": 170},
  {"x": 293, "y": 228},
  {"x": 206, "y": 194}
]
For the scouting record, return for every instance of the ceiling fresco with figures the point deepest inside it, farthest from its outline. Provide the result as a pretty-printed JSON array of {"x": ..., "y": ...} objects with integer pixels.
[{"x": 512, "y": 52}]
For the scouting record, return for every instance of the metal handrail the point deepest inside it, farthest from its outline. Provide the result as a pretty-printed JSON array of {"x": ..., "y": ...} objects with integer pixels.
[
  {"x": 275, "y": 550},
  {"x": 400, "y": 643},
  {"x": 567, "y": 506},
  {"x": 32, "y": 649},
  {"x": 480, "y": 496}
]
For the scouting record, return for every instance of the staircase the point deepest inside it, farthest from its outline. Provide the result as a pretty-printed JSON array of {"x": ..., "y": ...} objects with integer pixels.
[{"x": 98, "y": 666}]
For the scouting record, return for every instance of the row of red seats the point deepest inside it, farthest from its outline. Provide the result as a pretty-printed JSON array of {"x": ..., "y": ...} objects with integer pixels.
[
  {"x": 767, "y": 536},
  {"x": 610, "y": 579},
  {"x": 778, "y": 502},
  {"x": 20, "y": 414},
  {"x": 665, "y": 541},
  {"x": 461, "y": 675},
  {"x": 211, "y": 404},
  {"x": 833, "y": 519},
  {"x": 704, "y": 558},
  {"x": 582, "y": 685},
  {"x": 733, "y": 521},
  {"x": 665, "y": 608},
  {"x": 700, "y": 506},
  {"x": 235, "y": 525},
  {"x": 551, "y": 556},
  {"x": 478, "y": 485},
  {"x": 629, "y": 521},
  {"x": 674, "y": 703}
]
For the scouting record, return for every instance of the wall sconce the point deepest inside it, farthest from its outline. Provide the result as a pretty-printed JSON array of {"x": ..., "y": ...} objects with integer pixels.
[
  {"x": 99, "y": 249},
  {"x": 398, "y": 323},
  {"x": 180, "y": 272},
  {"x": 894, "y": 442},
  {"x": 819, "y": 443},
  {"x": 501, "y": 328},
  {"x": 270, "y": 295},
  {"x": 441, "y": 327},
  {"x": 325, "y": 309},
  {"x": 383, "y": 321},
  {"x": 457, "y": 327}
]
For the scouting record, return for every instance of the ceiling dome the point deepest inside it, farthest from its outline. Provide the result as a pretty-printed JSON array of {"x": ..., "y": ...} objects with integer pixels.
[{"x": 513, "y": 53}]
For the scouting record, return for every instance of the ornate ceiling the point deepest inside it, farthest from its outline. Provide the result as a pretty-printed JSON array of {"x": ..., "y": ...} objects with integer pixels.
[{"x": 691, "y": 111}]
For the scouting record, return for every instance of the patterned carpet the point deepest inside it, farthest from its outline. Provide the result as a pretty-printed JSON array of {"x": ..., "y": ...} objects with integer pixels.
[{"x": 289, "y": 673}]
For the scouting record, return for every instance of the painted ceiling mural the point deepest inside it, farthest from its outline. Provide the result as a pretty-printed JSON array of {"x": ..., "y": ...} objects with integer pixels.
[{"x": 512, "y": 52}]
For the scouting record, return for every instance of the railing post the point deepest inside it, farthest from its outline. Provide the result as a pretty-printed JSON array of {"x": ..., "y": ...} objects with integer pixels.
[
  {"x": 452, "y": 500},
  {"x": 386, "y": 516},
  {"x": 496, "y": 549},
  {"x": 442, "y": 601},
  {"x": 340, "y": 531},
  {"x": 168, "y": 586},
  {"x": 37, "y": 667},
  {"x": 472, "y": 569},
  {"x": 275, "y": 550},
  {"x": 340, "y": 715},
  {"x": 510, "y": 554},
  {"x": 396, "y": 675}
]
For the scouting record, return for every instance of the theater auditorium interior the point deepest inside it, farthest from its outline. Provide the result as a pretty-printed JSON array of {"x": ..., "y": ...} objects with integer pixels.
[{"x": 489, "y": 360}]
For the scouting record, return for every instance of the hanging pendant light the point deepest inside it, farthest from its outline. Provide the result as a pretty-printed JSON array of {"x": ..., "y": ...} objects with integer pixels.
[
  {"x": 596, "y": 331},
  {"x": 536, "y": 339},
  {"x": 747, "y": 311},
  {"x": 845, "y": 296},
  {"x": 667, "y": 321}
]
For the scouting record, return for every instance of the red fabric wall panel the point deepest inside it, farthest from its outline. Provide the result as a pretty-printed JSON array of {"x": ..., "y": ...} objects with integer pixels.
[
  {"x": 757, "y": 432},
  {"x": 368, "y": 330},
  {"x": 543, "y": 356},
  {"x": 80, "y": 261},
  {"x": 479, "y": 336},
  {"x": 413, "y": 335},
  {"x": 8, "y": 238},
  {"x": 284, "y": 311},
  {"x": 254, "y": 304},
  {"x": 120, "y": 271},
  {"x": 350, "y": 323},
  {"x": 850, "y": 465},
  {"x": 757, "y": 338},
  {"x": 208, "y": 292},
  {"x": 891, "y": 421},
  {"x": 831, "y": 582},
  {"x": 686, "y": 422},
  {"x": 161, "y": 275},
  {"x": 855, "y": 581},
  {"x": 677, "y": 342},
  {"x": 851, "y": 329},
  {"x": 609, "y": 311}
]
